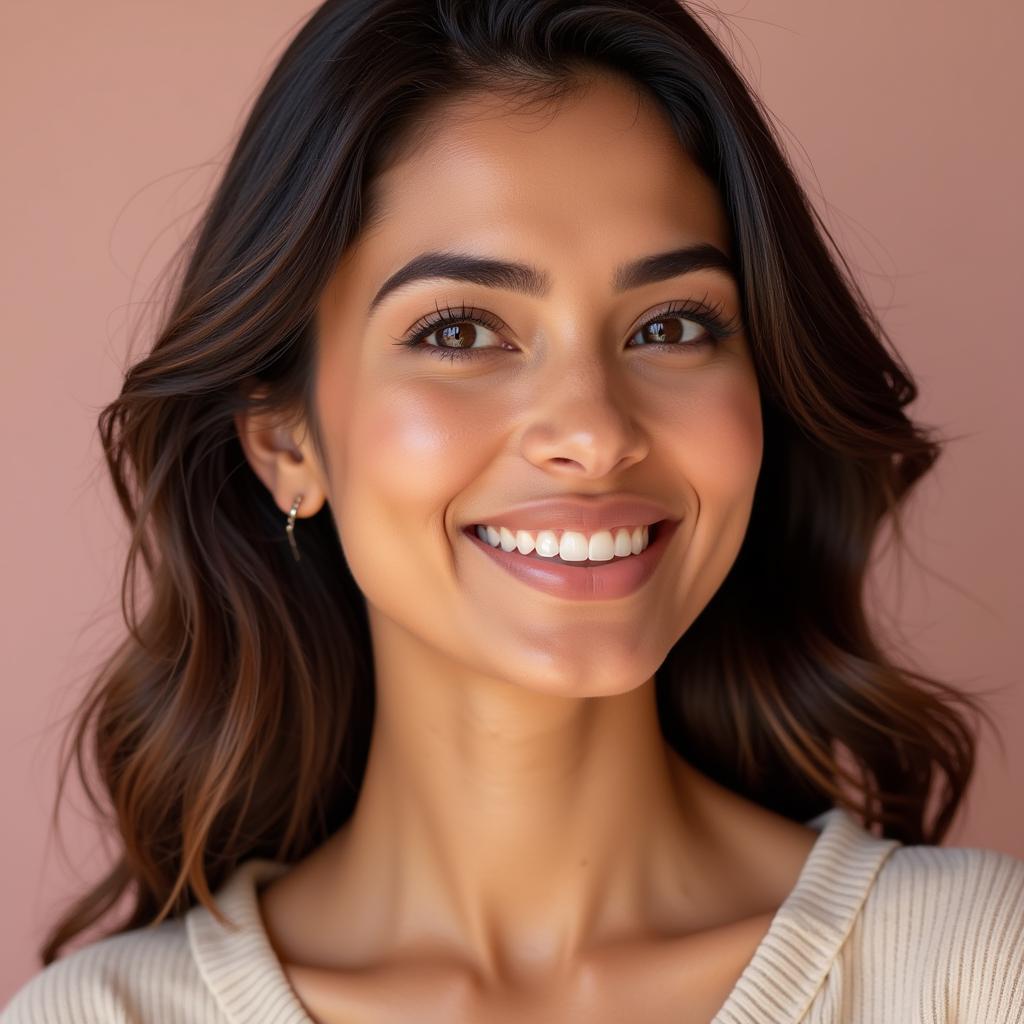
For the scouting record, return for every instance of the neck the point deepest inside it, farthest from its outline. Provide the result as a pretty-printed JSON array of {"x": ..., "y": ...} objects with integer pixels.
[{"x": 518, "y": 827}]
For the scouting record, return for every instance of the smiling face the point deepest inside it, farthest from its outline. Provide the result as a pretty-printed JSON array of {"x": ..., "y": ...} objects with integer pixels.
[{"x": 578, "y": 378}]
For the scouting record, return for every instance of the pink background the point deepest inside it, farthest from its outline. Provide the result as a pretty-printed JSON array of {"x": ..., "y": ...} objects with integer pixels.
[{"x": 117, "y": 117}]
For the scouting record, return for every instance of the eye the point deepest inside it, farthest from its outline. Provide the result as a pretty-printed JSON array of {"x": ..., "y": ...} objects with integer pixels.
[
  {"x": 451, "y": 333},
  {"x": 672, "y": 329}
]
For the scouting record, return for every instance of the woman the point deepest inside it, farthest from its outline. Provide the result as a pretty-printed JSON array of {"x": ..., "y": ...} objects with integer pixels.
[{"x": 506, "y": 472}]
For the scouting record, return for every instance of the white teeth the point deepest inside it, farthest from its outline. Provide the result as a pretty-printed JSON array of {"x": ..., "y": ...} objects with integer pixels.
[
  {"x": 572, "y": 546},
  {"x": 547, "y": 543}
]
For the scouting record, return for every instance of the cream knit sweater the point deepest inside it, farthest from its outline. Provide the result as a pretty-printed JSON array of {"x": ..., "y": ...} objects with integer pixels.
[{"x": 874, "y": 932}]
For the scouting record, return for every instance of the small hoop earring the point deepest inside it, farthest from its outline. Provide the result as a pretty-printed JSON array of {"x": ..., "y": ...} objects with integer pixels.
[{"x": 290, "y": 526}]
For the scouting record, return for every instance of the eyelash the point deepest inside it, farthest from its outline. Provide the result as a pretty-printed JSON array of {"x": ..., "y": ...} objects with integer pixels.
[{"x": 708, "y": 316}]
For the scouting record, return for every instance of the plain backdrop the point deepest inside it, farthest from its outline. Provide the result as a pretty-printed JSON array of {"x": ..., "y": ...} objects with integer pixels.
[{"x": 903, "y": 121}]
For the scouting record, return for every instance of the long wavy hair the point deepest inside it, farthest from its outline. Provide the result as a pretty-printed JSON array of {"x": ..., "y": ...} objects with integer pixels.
[{"x": 234, "y": 719}]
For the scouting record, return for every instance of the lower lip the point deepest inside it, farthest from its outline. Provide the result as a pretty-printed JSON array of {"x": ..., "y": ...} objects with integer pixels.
[{"x": 619, "y": 578}]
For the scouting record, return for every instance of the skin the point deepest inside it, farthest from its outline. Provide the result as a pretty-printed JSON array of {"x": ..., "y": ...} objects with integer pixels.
[{"x": 526, "y": 845}]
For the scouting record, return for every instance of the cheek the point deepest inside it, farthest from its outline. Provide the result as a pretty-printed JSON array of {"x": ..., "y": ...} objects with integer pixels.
[
  {"x": 713, "y": 445},
  {"x": 712, "y": 435},
  {"x": 726, "y": 458},
  {"x": 409, "y": 452},
  {"x": 412, "y": 449},
  {"x": 406, "y": 451}
]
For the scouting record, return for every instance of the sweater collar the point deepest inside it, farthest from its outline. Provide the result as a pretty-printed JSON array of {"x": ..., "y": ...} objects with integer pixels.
[
  {"x": 238, "y": 963},
  {"x": 807, "y": 931},
  {"x": 242, "y": 971}
]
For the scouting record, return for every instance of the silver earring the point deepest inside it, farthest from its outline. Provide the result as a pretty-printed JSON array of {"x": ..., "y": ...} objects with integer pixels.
[{"x": 290, "y": 526}]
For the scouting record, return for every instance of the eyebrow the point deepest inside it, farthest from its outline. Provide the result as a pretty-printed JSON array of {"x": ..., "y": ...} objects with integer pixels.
[{"x": 521, "y": 277}]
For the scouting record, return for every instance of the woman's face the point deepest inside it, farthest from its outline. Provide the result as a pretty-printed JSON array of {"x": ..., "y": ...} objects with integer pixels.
[{"x": 564, "y": 392}]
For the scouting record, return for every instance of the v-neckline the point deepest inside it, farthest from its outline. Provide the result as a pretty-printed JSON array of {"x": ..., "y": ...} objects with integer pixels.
[{"x": 777, "y": 985}]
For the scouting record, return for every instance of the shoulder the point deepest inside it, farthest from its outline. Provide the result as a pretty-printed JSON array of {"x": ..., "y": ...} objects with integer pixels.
[
  {"x": 143, "y": 975},
  {"x": 977, "y": 886},
  {"x": 949, "y": 920}
]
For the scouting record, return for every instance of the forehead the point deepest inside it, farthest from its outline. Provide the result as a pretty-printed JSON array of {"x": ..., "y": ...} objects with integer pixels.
[
  {"x": 608, "y": 151},
  {"x": 573, "y": 186}
]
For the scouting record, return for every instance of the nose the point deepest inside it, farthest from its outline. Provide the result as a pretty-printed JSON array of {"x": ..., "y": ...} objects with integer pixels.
[{"x": 582, "y": 422}]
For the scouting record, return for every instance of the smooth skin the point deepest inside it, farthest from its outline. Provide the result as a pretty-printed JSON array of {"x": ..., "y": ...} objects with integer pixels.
[{"x": 526, "y": 846}]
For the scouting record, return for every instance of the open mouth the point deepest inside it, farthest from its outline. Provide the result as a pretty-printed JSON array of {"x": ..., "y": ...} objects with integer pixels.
[
  {"x": 652, "y": 535},
  {"x": 600, "y": 580}
]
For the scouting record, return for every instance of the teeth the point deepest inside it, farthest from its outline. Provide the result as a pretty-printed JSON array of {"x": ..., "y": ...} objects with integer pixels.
[{"x": 569, "y": 545}]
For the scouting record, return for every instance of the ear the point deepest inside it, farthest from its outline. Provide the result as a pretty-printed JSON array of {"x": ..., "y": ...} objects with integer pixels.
[{"x": 288, "y": 467}]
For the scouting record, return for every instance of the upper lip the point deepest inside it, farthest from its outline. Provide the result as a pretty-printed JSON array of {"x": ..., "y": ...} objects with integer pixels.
[{"x": 586, "y": 513}]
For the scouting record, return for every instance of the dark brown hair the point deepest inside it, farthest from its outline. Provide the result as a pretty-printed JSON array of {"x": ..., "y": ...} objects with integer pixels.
[{"x": 234, "y": 719}]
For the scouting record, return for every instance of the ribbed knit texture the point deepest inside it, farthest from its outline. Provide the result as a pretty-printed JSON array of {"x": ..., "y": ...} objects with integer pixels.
[{"x": 873, "y": 932}]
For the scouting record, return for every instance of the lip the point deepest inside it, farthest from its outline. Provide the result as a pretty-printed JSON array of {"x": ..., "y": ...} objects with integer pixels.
[
  {"x": 619, "y": 578},
  {"x": 583, "y": 513}
]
